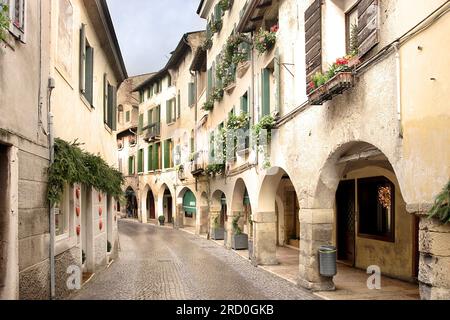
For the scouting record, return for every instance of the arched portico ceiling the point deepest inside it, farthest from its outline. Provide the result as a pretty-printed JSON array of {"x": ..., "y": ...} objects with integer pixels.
[
  {"x": 269, "y": 188},
  {"x": 217, "y": 198},
  {"x": 345, "y": 158},
  {"x": 183, "y": 191}
]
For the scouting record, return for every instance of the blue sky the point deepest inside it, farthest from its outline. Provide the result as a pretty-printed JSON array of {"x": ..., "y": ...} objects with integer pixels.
[{"x": 148, "y": 30}]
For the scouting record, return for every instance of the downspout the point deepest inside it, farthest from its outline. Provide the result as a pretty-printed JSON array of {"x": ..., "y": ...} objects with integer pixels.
[
  {"x": 252, "y": 116},
  {"x": 398, "y": 88},
  {"x": 51, "y": 142}
]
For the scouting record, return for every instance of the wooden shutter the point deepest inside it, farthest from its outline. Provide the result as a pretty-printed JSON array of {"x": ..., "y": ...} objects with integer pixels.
[
  {"x": 190, "y": 93},
  {"x": 277, "y": 75},
  {"x": 265, "y": 91},
  {"x": 114, "y": 108},
  {"x": 89, "y": 85},
  {"x": 168, "y": 111},
  {"x": 150, "y": 158},
  {"x": 368, "y": 21},
  {"x": 313, "y": 39},
  {"x": 179, "y": 105},
  {"x": 141, "y": 123},
  {"x": 105, "y": 98},
  {"x": 140, "y": 160},
  {"x": 110, "y": 106},
  {"x": 130, "y": 166},
  {"x": 166, "y": 154},
  {"x": 83, "y": 58},
  {"x": 210, "y": 83},
  {"x": 150, "y": 117},
  {"x": 156, "y": 156}
]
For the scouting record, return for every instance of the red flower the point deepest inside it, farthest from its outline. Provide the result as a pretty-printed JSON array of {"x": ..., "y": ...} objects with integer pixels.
[
  {"x": 78, "y": 230},
  {"x": 312, "y": 85},
  {"x": 274, "y": 28},
  {"x": 342, "y": 61}
]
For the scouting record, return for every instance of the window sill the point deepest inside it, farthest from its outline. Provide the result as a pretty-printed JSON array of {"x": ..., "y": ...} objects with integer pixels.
[
  {"x": 86, "y": 103},
  {"x": 171, "y": 123},
  {"x": 107, "y": 128}
]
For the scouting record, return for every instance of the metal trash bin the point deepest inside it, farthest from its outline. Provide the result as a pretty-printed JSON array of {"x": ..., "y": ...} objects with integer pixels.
[{"x": 327, "y": 261}]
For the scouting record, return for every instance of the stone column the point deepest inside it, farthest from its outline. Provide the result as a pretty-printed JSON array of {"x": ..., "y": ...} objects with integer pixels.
[
  {"x": 178, "y": 217},
  {"x": 434, "y": 247},
  {"x": 201, "y": 220},
  {"x": 316, "y": 226},
  {"x": 265, "y": 238}
]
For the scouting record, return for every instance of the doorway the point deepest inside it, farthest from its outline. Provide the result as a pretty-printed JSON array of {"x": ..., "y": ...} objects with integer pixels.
[
  {"x": 151, "y": 214},
  {"x": 345, "y": 208},
  {"x": 168, "y": 205}
]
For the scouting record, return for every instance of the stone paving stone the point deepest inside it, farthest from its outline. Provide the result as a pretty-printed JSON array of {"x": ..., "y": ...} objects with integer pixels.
[{"x": 165, "y": 264}]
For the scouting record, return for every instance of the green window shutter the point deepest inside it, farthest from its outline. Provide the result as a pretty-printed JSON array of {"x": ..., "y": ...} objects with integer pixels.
[
  {"x": 166, "y": 154},
  {"x": 155, "y": 156},
  {"x": 83, "y": 58},
  {"x": 130, "y": 166},
  {"x": 105, "y": 98},
  {"x": 89, "y": 85},
  {"x": 150, "y": 90},
  {"x": 127, "y": 116},
  {"x": 244, "y": 103},
  {"x": 210, "y": 83},
  {"x": 211, "y": 146},
  {"x": 192, "y": 144},
  {"x": 110, "y": 106},
  {"x": 191, "y": 93},
  {"x": 189, "y": 202},
  {"x": 213, "y": 75},
  {"x": 217, "y": 13},
  {"x": 150, "y": 117},
  {"x": 141, "y": 123},
  {"x": 265, "y": 90},
  {"x": 277, "y": 75},
  {"x": 114, "y": 108},
  {"x": 168, "y": 111},
  {"x": 150, "y": 158},
  {"x": 140, "y": 161},
  {"x": 179, "y": 105}
]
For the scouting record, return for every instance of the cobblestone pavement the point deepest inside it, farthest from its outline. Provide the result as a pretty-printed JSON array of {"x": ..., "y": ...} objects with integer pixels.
[{"x": 163, "y": 264}]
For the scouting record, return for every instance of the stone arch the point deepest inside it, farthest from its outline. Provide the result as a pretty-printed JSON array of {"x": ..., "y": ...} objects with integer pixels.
[
  {"x": 241, "y": 205},
  {"x": 132, "y": 203},
  {"x": 319, "y": 214},
  {"x": 218, "y": 212},
  {"x": 166, "y": 204},
  {"x": 148, "y": 204},
  {"x": 186, "y": 218}
]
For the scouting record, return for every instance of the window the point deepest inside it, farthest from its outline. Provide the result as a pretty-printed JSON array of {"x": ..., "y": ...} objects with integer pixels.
[
  {"x": 17, "y": 11},
  {"x": 168, "y": 159},
  {"x": 179, "y": 105},
  {"x": 191, "y": 94},
  {"x": 141, "y": 96},
  {"x": 86, "y": 67},
  {"x": 127, "y": 116},
  {"x": 131, "y": 165},
  {"x": 150, "y": 158},
  {"x": 120, "y": 165},
  {"x": 140, "y": 160},
  {"x": 157, "y": 156},
  {"x": 265, "y": 91},
  {"x": 62, "y": 211},
  {"x": 209, "y": 87},
  {"x": 150, "y": 117},
  {"x": 376, "y": 208},
  {"x": 141, "y": 123},
  {"x": 192, "y": 141},
  {"x": 171, "y": 110},
  {"x": 169, "y": 80},
  {"x": 109, "y": 104},
  {"x": 351, "y": 30}
]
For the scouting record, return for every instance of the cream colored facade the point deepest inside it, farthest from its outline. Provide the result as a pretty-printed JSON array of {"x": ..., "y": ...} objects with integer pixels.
[
  {"x": 389, "y": 126},
  {"x": 40, "y": 80}
]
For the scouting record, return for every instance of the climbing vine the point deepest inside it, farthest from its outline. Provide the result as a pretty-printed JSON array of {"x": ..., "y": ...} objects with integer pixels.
[
  {"x": 73, "y": 165},
  {"x": 266, "y": 123},
  {"x": 4, "y": 21},
  {"x": 441, "y": 207},
  {"x": 237, "y": 230}
]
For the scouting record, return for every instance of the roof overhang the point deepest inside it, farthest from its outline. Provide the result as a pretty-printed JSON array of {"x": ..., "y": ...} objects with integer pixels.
[
  {"x": 98, "y": 13},
  {"x": 253, "y": 15}
]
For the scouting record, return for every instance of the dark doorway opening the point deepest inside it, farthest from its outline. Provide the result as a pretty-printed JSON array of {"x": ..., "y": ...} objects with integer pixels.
[{"x": 345, "y": 205}]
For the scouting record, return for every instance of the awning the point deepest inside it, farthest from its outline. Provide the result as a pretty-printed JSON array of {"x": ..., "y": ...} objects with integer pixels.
[{"x": 189, "y": 202}]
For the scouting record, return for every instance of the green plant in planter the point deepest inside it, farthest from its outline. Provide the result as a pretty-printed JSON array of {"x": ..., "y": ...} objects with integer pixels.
[
  {"x": 236, "y": 229},
  {"x": 265, "y": 40},
  {"x": 207, "y": 44},
  {"x": 216, "y": 224},
  {"x": 4, "y": 21},
  {"x": 161, "y": 220},
  {"x": 441, "y": 207},
  {"x": 209, "y": 104},
  {"x": 218, "y": 94},
  {"x": 236, "y": 122},
  {"x": 225, "y": 4},
  {"x": 266, "y": 123},
  {"x": 213, "y": 169},
  {"x": 216, "y": 26}
]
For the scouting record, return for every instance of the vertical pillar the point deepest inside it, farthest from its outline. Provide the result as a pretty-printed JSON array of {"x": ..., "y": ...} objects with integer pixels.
[
  {"x": 434, "y": 261},
  {"x": 316, "y": 227},
  {"x": 201, "y": 220},
  {"x": 265, "y": 238}
]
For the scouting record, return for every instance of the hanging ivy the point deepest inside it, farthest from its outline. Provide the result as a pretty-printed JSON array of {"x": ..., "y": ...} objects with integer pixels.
[
  {"x": 73, "y": 165},
  {"x": 441, "y": 207},
  {"x": 4, "y": 21}
]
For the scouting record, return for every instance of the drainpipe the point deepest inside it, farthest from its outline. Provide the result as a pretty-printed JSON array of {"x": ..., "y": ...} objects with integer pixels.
[
  {"x": 398, "y": 88},
  {"x": 51, "y": 142},
  {"x": 252, "y": 57}
]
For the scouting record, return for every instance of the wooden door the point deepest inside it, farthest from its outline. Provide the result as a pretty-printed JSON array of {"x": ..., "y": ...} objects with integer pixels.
[{"x": 345, "y": 207}]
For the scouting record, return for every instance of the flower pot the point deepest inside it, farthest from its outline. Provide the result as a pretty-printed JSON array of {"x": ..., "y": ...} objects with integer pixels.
[
  {"x": 217, "y": 233},
  {"x": 100, "y": 225},
  {"x": 77, "y": 193},
  {"x": 78, "y": 211},
  {"x": 239, "y": 241}
]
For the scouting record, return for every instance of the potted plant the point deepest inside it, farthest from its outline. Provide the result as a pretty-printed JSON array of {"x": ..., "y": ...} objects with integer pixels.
[
  {"x": 265, "y": 40},
  {"x": 239, "y": 240},
  {"x": 161, "y": 220},
  {"x": 209, "y": 104},
  {"x": 217, "y": 232}
]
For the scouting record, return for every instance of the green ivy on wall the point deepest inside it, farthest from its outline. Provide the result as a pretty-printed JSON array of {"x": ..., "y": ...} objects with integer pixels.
[
  {"x": 441, "y": 207},
  {"x": 4, "y": 21},
  {"x": 74, "y": 165}
]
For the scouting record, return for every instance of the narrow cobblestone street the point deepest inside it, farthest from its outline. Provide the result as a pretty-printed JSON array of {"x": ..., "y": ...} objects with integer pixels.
[{"x": 162, "y": 263}]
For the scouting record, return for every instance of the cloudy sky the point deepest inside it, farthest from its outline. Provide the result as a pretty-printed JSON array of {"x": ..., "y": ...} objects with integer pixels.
[{"x": 148, "y": 30}]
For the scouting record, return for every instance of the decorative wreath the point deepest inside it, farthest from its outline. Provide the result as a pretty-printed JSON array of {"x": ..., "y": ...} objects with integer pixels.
[{"x": 384, "y": 197}]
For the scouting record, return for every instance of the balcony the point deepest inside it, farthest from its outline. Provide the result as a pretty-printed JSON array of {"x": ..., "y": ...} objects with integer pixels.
[
  {"x": 197, "y": 164},
  {"x": 152, "y": 132}
]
